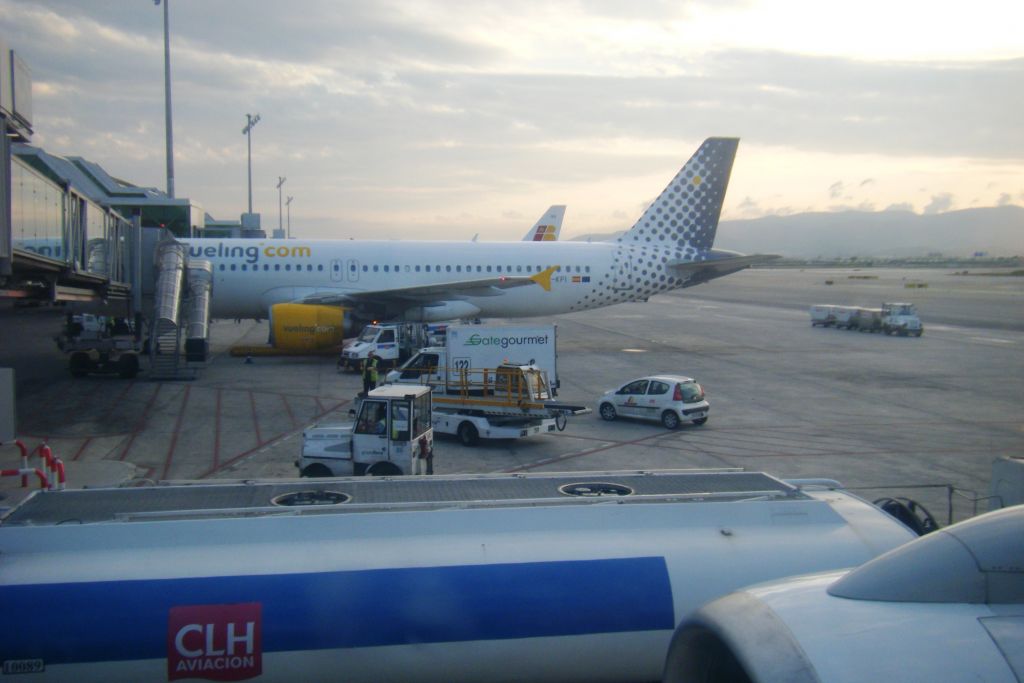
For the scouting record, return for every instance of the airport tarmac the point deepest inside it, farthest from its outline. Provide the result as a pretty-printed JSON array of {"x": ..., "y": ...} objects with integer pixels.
[{"x": 886, "y": 416}]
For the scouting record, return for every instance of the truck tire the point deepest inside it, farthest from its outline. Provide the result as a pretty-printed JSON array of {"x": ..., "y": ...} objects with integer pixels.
[
  {"x": 316, "y": 470},
  {"x": 79, "y": 364},
  {"x": 128, "y": 366},
  {"x": 383, "y": 469},
  {"x": 468, "y": 434},
  {"x": 669, "y": 419},
  {"x": 607, "y": 411}
]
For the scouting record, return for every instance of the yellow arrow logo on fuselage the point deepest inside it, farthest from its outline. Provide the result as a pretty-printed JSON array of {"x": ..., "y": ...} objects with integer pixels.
[{"x": 543, "y": 278}]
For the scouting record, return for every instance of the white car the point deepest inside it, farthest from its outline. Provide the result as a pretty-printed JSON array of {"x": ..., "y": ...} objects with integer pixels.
[{"x": 669, "y": 399}]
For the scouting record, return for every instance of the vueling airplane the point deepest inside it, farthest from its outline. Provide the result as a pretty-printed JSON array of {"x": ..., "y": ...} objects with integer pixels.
[{"x": 316, "y": 291}]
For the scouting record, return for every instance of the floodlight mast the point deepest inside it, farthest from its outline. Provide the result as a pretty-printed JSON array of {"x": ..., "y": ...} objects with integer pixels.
[
  {"x": 250, "y": 121},
  {"x": 288, "y": 206},
  {"x": 280, "y": 212},
  {"x": 167, "y": 98}
]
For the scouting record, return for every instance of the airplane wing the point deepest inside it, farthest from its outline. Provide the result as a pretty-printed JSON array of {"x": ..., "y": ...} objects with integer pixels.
[
  {"x": 697, "y": 272},
  {"x": 548, "y": 226},
  {"x": 424, "y": 294}
]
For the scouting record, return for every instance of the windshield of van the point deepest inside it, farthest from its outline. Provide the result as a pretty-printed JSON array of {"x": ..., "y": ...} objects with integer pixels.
[
  {"x": 368, "y": 334},
  {"x": 692, "y": 392}
]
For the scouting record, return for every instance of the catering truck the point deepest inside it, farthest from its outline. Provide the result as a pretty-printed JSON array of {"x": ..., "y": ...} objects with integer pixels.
[
  {"x": 474, "y": 347},
  {"x": 459, "y": 578},
  {"x": 491, "y": 382}
]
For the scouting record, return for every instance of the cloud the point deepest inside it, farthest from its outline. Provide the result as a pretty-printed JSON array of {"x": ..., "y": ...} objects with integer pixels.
[
  {"x": 939, "y": 203},
  {"x": 835, "y": 190},
  {"x": 903, "y": 206},
  {"x": 1004, "y": 199}
]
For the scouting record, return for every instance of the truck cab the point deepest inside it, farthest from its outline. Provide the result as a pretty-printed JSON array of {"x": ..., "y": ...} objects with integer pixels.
[
  {"x": 392, "y": 342},
  {"x": 390, "y": 435},
  {"x": 902, "y": 319}
]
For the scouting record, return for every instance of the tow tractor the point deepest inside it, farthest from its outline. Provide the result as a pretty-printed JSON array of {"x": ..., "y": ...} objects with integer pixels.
[
  {"x": 391, "y": 435},
  {"x": 99, "y": 344}
]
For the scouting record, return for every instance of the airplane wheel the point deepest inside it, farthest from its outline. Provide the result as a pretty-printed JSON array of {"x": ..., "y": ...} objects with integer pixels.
[
  {"x": 669, "y": 419},
  {"x": 608, "y": 412},
  {"x": 468, "y": 434}
]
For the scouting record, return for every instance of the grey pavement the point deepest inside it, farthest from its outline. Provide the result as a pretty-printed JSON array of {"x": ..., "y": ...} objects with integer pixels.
[{"x": 798, "y": 402}]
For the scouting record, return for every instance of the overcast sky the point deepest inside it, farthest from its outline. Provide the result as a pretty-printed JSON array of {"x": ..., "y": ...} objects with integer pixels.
[{"x": 445, "y": 119}]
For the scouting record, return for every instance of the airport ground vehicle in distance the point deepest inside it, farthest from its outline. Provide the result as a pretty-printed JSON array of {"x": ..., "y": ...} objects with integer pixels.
[
  {"x": 393, "y": 343},
  {"x": 902, "y": 319},
  {"x": 316, "y": 292},
  {"x": 100, "y": 345},
  {"x": 391, "y": 434},
  {"x": 458, "y": 578},
  {"x": 948, "y": 606},
  {"x": 892, "y": 318},
  {"x": 478, "y": 347},
  {"x": 668, "y": 399}
]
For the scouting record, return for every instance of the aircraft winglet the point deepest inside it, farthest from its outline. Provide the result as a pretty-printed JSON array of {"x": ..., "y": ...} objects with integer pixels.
[{"x": 543, "y": 278}]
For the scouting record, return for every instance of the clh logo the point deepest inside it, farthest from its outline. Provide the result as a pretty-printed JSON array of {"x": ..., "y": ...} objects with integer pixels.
[{"x": 215, "y": 642}]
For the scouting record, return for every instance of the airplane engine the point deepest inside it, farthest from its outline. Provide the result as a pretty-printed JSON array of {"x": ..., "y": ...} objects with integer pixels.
[
  {"x": 946, "y": 607},
  {"x": 306, "y": 327}
]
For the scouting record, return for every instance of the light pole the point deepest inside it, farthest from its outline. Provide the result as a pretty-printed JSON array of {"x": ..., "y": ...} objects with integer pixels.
[
  {"x": 280, "y": 212},
  {"x": 167, "y": 99},
  {"x": 250, "y": 121},
  {"x": 288, "y": 206}
]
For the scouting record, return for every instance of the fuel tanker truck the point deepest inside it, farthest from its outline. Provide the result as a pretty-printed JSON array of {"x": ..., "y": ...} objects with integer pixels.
[{"x": 541, "y": 577}]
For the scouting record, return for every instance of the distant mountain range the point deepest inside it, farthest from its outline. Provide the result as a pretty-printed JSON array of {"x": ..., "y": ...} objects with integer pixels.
[{"x": 996, "y": 231}]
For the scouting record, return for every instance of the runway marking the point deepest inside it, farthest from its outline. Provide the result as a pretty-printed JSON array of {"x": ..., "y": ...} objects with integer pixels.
[
  {"x": 255, "y": 418},
  {"x": 261, "y": 447},
  {"x": 141, "y": 422},
  {"x": 578, "y": 454},
  {"x": 117, "y": 401},
  {"x": 216, "y": 428},
  {"x": 288, "y": 408},
  {"x": 177, "y": 430},
  {"x": 994, "y": 340},
  {"x": 634, "y": 350},
  {"x": 81, "y": 449}
]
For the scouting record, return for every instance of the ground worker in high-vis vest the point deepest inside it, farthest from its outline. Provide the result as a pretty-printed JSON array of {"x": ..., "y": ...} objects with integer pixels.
[{"x": 370, "y": 372}]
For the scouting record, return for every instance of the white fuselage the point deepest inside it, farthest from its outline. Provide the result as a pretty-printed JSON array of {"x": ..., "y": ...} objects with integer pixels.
[{"x": 252, "y": 275}]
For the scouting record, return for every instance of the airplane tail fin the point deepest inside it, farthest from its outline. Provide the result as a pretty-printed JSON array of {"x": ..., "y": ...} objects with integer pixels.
[
  {"x": 687, "y": 211},
  {"x": 548, "y": 226}
]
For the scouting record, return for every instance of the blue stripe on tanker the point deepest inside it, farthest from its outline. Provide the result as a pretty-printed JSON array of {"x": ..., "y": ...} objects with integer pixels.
[{"x": 128, "y": 620}]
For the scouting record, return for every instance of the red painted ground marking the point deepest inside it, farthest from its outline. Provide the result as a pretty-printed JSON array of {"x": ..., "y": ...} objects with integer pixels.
[
  {"x": 141, "y": 422},
  {"x": 255, "y": 420},
  {"x": 570, "y": 456},
  {"x": 288, "y": 408},
  {"x": 81, "y": 449},
  {"x": 177, "y": 430},
  {"x": 252, "y": 450},
  {"x": 116, "y": 402},
  {"x": 319, "y": 405},
  {"x": 216, "y": 431}
]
